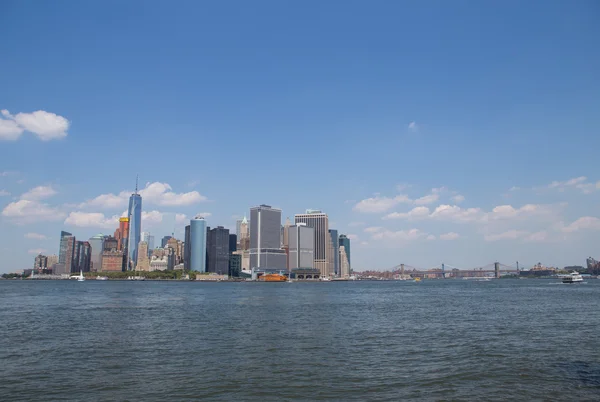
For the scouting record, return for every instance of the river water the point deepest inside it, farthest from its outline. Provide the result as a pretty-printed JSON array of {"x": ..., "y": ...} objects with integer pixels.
[{"x": 376, "y": 341}]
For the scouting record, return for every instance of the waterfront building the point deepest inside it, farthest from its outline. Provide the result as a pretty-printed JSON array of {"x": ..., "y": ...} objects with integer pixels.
[
  {"x": 198, "y": 244},
  {"x": 344, "y": 264},
  {"x": 134, "y": 214},
  {"x": 345, "y": 241},
  {"x": 51, "y": 260},
  {"x": 320, "y": 223},
  {"x": 186, "y": 250},
  {"x": 265, "y": 239},
  {"x": 232, "y": 243},
  {"x": 143, "y": 261},
  {"x": 112, "y": 257},
  {"x": 97, "y": 245},
  {"x": 235, "y": 264},
  {"x": 62, "y": 254},
  {"x": 122, "y": 233},
  {"x": 334, "y": 252},
  {"x": 149, "y": 239},
  {"x": 84, "y": 255},
  {"x": 243, "y": 235},
  {"x": 70, "y": 261},
  {"x": 218, "y": 250},
  {"x": 301, "y": 243},
  {"x": 40, "y": 262},
  {"x": 159, "y": 263}
]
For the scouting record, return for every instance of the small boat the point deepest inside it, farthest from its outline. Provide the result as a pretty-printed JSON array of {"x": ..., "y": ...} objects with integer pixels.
[
  {"x": 417, "y": 279},
  {"x": 573, "y": 277},
  {"x": 80, "y": 278},
  {"x": 101, "y": 278},
  {"x": 325, "y": 279}
]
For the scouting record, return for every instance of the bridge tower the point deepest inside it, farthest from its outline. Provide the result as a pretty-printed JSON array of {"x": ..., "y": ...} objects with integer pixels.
[
  {"x": 517, "y": 267},
  {"x": 497, "y": 269},
  {"x": 402, "y": 270},
  {"x": 443, "y": 270}
]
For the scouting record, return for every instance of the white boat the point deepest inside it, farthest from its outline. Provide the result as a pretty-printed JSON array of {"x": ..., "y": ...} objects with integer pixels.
[
  {"x": 80, "y": 278},
  {"x": 101, "y": 278},
  {"x": 573, "y": 277},
  {"x": 325, "y": 279}
]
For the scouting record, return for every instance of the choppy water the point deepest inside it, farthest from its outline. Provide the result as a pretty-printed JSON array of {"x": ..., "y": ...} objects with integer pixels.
[{"x": 377, "y": 341}]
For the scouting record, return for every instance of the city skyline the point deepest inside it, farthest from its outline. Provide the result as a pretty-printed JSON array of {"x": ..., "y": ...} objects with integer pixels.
[{"x": 452, "y": 138}]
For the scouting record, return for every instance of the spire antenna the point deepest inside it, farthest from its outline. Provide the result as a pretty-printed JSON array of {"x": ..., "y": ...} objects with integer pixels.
[{"x": 136, "y": 183}]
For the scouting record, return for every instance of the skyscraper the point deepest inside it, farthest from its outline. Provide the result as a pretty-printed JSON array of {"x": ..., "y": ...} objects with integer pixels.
[
  {"x": 320, "y": 223},
  {"x": 244, "y": 235},
  {"x": 301, "y": 241},
  {"x": 163, "y": 241},
  {"x": 149, "y": 239},
  {"x": 232, "y": 243},
  {"x": 135, "y": 225},
  {"x": 62, "y": 253},
  {"x": 84, "y": 256},
  {"x": 97, "y": 244},
  {"x": 70, "y": 261},
  {"x": 198, "y": 244},
  {"x": 218, "y": 252},
  {"x": 344, "y": 265},
  {"x": 186, "y": 249},
  {"x": 334, "y": 252},
  {"x": 143, "y": 262},
  {"x": 345, "y": 241},
  {"x": 265, "y": 238}
]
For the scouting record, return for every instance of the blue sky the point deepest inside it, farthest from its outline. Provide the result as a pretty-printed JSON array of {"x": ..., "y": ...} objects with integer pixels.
[{"x": 460, "y": 132}]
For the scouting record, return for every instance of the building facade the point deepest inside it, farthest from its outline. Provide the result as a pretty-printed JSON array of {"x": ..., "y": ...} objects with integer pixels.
[
  {"x": 186, "y": 248},
  {"x": 320, "y": 223},
  {"x": 97, "y": 245},
  {"x": 345, "y": 241},
  {"x": 265, "y": 239},
  {"x": 64, "y": 249},
  {"x": 344, "y": 264},
  {"x": 135, "y": 226},
  {"x": 218, "y": 250},
  {"x": 143, "y": 261},
  {"x": 334, "y": 252},
  {"x": 301, "y": 243},
  {"x": 198, "y": 244},
  {"x": 149, "y": 239}
]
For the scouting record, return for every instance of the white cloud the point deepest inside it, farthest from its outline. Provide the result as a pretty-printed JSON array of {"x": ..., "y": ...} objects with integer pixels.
[
  {"x": 526, "y": 211},
  {"x": 380, "y": 204},
  {"x": 45, "y": 125},
  {"x": 39, "y": 193},
  {"x": 364, "y": 243},
  {"x": 4, "y": 193},
  {"x": 352, "y": 237},
  {"x": 413, "y": 214},
  {"x": 430, "y": 237},
  {"x": 583, "y": 223},
  {"x": 449, "y": 236},
  {"x": 204, "y": 214},
  {"x": 537, "y": 236},
  {"x": 154, "y": 193},
  {"x": 428, "y": 199},
  {"x": 161, "y": 194},
  {"x": 457, "y": 199},
  {"x": 27, "y": 211},
  {"x": 35, "y": 236},
  {"x": 373, "y": 229},
  {"x": 9, "y": 130},
  {"x": 402, "y": 186},
  {"x": 455, "y": 213},
  {"x": 514, "y": 188},
  {"x": 151, "y": 217},
  {"x": 8, "y": 173},
  {"x": 36, "y": 251},
  {"x": 181, "y": 218},
  {"x": 412, "y": 126},
  {"x": 400, "y": 236},
  {"x": 579, "y": 183},
  {"x": 92, "y": 219}
]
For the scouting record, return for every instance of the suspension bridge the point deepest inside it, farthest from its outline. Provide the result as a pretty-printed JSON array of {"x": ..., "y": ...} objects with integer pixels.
[{"x": 495, "y": 269}]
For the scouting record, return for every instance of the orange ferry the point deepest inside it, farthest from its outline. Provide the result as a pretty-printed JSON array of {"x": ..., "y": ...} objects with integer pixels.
[{"x": 273, "y": 278}]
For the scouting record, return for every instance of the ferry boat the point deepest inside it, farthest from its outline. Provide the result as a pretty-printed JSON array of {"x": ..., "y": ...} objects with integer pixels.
[
  {"x": 273, "y": 278},
  {"x": 573, "y": 277}
]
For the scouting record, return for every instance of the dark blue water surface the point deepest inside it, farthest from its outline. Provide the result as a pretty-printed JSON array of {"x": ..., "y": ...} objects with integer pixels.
[{"x": 377, "y": 341}]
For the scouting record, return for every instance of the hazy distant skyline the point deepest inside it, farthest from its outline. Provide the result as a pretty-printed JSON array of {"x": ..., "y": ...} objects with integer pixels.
[{"x": 429, "y": 132}]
